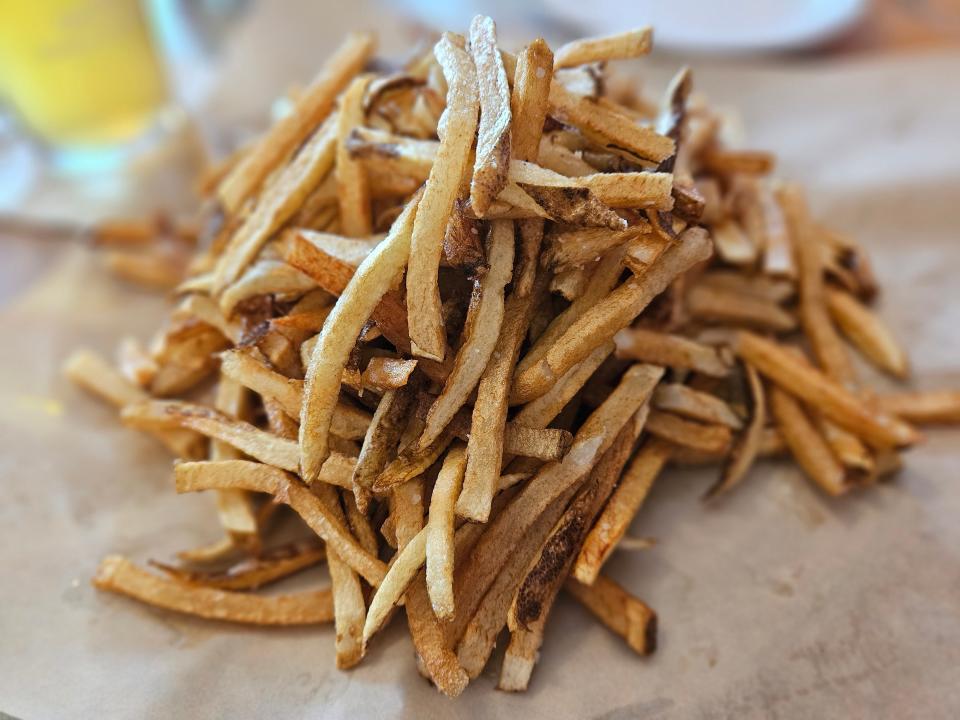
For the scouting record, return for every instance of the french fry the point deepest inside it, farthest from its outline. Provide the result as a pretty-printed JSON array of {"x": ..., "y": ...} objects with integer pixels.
[
  {"x": 684, "y": 400},
  {"x": 616, "y": 190},
  {"x": 924, "y": 407},
  {"x": 807, "y": 446},
  {"x": 250, "y": 574},
  {"x": 353, "y": 191},
  {"x": 670, "y": 350},
  {"x": 731, "y": 307},
  {"x": 867, "y": 333},
  {"x": 311, "y": 108},
  {"x": 622, "y": 613},
  {"x": 196, "y": 476},
  {"x": 833, "y": 401},
  {"x": 457, "y": 128},
  {"x": 373, "y": 278},
  {"x": 620, "y": 510},
  {"x": 479, "y": 335},
  {"x": 266, "y": 277},
  {"x": 402, "y": 571},
  {"x": 734, "y": 246},
  {"x": 575, "y": 247},
  {"x": 622, "y": 46},
  {"x": 279, "y": 202},
  {"x": 748, "y": 162},
  {"x": 117, "y": 574},
  {"x": 493, "y": 141},
  {"x": 234, "y": 507},
  {"x": 439, "y": 543}
]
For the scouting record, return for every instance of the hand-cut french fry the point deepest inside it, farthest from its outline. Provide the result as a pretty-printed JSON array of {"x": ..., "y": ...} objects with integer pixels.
[
  {"x": 617, "y": 190},
  {"x": 185, "y": 355},
  {"x": 572, "y": 282},
  {"x": 195, "y": 476},
  {"x": 117, "y": 574},
  {"x": 924, "y": 407},
  {"x": 375, "y": 276},
  {"x": 252, "y": 573},
  {"x": 833, "y": 401},
  {"x": 493, "y": 140},
  {"x": 610, "y": 129},
  {"x": 213, "y": 552},
  {"x": 439, "y": 544},
  {"x": 560, "y": 159},
  {"x": 381, "y": 439},
  {"x": 747, "y": 162},
  {"x": 311, "y": 108},
  {"x": 691, "y": 403},
  {"x": 234, "y": 506},
  {"x": 265, "y": 277},
  {"x": 94, "y": 374},
  {"x": 622, "y": 46},
  {"x": 748, "y": 446},
  {"x": 479, "y": 335},
  {"x": 406, "y": 508},
  {"x": 627, "y": 616},
  {"x": 612, "y": 314},
  {"x": 349, "y": 610},
  {"x": 413, "y": 461},
  {"x": 671, "y": 351},
  {"x": 620, "y": 510},
  {"x": 698, "y": 436},
  {"x": 867, "y": 333},
  {"x": 764, "y": 287},
  {"x": 575, "y": 247},
  {"x": 383, "y": 373},
  {"x": 353, "y": 192},
  {"x": 428, "y": 637},
  {"x": 733, "y": 244},
  {"x": 402, "y": 571},
  {"x": 731, "y": 307},
  {"x": 280, "y": 200},
  {"x": 153, "y": 268},
  {"x": 457, "y": 128},
  {"x": 135, "y": 362},
  {"x": 806, "y": 444}
]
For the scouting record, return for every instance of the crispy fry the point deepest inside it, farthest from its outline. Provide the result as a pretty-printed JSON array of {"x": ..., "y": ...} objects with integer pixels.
[
  {"x": 734, "y": 246},
  {"x": 479, "y": 335},
  {"x": 622, "y": 46},
  {"x": 195, "y": 476},
  {"x": 617, "y": 190},
  {"x": 311, "y": 108},
  {"x": 439, "y": 542},
  {"x": 620, "y": 510},
  {"x": 234, "y": 507},
  {"x": 457, "y": 128},
  {"x": 684, "y": 400},
  {"x": 924, "y": 407},
  {"x": 373, "y": 278},
  {"x": 627, "y": 616},
  {"x": 493, "y": 140},
  {"x": 867, "y": 333},
  {"x": 353, "y": 192},
  {"x": 266, "y": 277},
  {"x": 833, "y": 401},
  {"x": 117, "y": 574},
  {"x": 732, "y": 307},
  {"x": 807, "y": 446},
  {"x": 748, "y": 162},
  {"x": 671, "y": 351}
]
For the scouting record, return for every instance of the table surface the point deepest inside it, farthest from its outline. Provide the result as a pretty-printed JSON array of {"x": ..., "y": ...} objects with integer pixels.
[{"x": 777, "y": 603}]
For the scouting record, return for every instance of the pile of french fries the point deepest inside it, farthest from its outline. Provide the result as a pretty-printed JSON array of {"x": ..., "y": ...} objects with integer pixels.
[{"x": 460, "y": 317}]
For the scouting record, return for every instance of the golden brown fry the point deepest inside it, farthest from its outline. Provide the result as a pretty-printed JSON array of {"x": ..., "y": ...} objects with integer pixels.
[
  {"x": 480, "y": 332},
  {"x": 748, "y": 446},
  {"x": 610, "y": 129},
  {"x": 867, "y": 333},
  {"x": 195, "y": 476},
  {"x": 252, "y": 573},
  {"x": 406, "y": 508},
  {"x": 384, "y": 373},
  {"x": 575, "y": 247},
  {"x": 714, "y": 439},
  {"x": 375, "y": 276},
  {"x": 353, "y": 192},
  {"x": 622, "y": 46},
  {"x": 439, "y": 542},
  {"x": 280, "y": 200},
  {"x": 313, "y": 105},
  {"x": 403, "y": 570},
  {"x": 671, "y": 351},
  {"x": 833, "y": 401},
  {"x": 725, "y": 161},
  {"x": 612, "y": 314},
  {"x": 807, "y": 446},
  {"x": 117, "y": 574},
  {"x": 135, "y": 362},
  {"x": 769, "y": 289},
  {"x": 734, "y": 246},
  {"x": 924, "y": 407},
  {"x": 730, "y": 307},
  {"x": 381, "y": 440},
  {"x": 457, "y": 128},
  {"x": 688, "y": 402},
  {"x": 412, "y": 462},
  {"x": 266, "y": 277},
  {"x": 626, "y": 615},
  {"x": 617, "y": 190},
  {"x": 234, "y": 507},
  {"x": 151, "y": 268},
  {"x": 620, "y": 510},
  {"x": 493, "y": 137}
]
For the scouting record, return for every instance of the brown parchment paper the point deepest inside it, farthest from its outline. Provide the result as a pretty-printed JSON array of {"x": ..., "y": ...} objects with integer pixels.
[{"x": 777, "y": 603}]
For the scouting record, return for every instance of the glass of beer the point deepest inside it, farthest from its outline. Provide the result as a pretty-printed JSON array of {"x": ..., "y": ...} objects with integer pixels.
[{"x": 81, "y": 76}]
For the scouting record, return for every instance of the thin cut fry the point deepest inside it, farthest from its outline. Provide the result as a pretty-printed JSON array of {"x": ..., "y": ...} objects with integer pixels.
[
  {"x": 833, "y": 401},
  {"x": 671, "y": 351},
  {"x": 868, "y": 333},
  {"x": 924, "y": 407},
  {"x": 353, "y": 192},
  {"x": 439, "y": 546},
  {"x": 375, "y": 276},
  {"x": 117, "y": 574},
  {"x": 684, "y": 400},
  {"x": 456, "y": 129},
  {"x": 312, "y": 107},
  {"x": 622, "y": 46},
  {"x": 626, "y": 615}
]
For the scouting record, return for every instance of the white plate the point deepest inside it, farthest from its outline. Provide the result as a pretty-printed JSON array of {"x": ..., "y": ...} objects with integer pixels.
[{"x": 730, "y": 26}]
